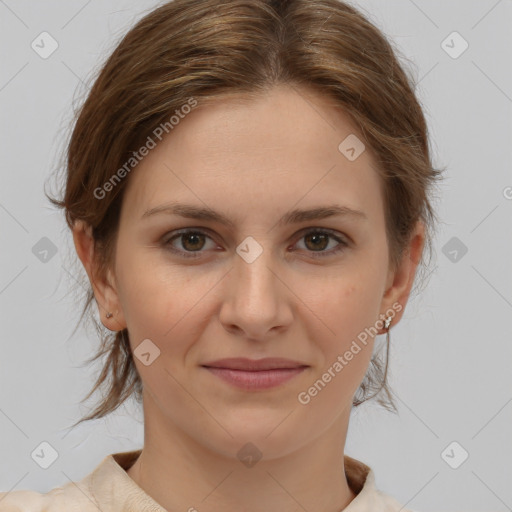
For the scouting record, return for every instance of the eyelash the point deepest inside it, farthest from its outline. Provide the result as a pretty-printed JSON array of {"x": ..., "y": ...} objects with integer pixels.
[{"x": 342, "y": 244}]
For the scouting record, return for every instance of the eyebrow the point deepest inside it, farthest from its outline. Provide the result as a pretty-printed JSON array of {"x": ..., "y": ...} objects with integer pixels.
[{"x": 292, "y": 217}]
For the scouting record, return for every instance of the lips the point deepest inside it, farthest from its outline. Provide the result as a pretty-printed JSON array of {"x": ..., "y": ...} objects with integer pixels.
[
  {"x": 255, "y": 365},
  {"x": 255, "y": 375}
]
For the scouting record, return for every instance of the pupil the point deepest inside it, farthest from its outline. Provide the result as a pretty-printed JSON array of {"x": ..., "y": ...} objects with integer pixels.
[
  {"x": 193, "y": 237},
  {"x": 318, "y": 237}
]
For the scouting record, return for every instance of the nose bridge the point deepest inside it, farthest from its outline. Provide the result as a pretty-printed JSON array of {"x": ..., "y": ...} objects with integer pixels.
[
  {"x": 256, "y": 300},
  {"x": 253, "y": 270}
]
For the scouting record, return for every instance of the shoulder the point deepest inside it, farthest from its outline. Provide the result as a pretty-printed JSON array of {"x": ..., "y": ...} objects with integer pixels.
[
  {"x": 71, "y": 497},
  {"x": 361, "y": 479},
  {"x": 18, "y": 501},
  {"x": 56, "y": 500},
  {"x": 388, "y": 503},
  {"x": 106, "y": 488}
]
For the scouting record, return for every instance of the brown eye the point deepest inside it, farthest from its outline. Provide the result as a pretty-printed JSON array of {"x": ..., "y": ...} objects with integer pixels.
[
  {"x": 192, "y": 241},
  {"x": 319, "y": 241}
]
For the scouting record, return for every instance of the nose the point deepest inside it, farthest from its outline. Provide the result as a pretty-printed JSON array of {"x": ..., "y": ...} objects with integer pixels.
[{"x": 256, "y": 301}]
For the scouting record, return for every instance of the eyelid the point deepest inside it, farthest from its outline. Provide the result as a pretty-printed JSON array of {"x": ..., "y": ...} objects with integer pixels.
[
  {"x": 344, "y": 241},
  {"x": 329, "y": 231}
]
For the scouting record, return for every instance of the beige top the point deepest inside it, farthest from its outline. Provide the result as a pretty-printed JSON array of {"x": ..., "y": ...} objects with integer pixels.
[{"x": 109, "y": 488}]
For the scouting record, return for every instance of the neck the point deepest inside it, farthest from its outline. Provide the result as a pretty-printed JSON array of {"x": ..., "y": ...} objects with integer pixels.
[{"x": 181, "y": 474}]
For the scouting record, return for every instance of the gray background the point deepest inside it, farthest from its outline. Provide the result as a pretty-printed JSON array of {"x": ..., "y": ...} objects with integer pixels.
[{"x": 452, "y": 352}]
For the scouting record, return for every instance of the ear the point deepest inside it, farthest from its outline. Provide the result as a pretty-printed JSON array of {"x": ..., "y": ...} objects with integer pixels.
[
  {"x": 400, "y": 280},
  {"x": 103, "y": 287}
]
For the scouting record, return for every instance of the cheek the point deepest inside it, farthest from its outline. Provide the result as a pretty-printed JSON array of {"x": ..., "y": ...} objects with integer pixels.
[
  {"x": 347, "y": 310},
  {"x": 345, "y": 305},
  {"x": 163, "y": 303}
]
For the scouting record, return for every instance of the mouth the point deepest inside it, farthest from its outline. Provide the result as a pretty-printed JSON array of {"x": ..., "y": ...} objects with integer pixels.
[{"x": 251, "y": 374}]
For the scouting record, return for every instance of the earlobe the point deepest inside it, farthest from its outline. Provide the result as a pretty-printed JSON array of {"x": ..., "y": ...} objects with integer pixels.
[{"x": 105, "y": 292}]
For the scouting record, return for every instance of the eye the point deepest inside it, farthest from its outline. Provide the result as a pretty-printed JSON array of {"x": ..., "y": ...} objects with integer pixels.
[
  {"x": 193, "y": 240},
  {"x": 318, "y": 240}
]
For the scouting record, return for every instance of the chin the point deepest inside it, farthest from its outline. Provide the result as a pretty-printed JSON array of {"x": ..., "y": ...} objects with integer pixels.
[{"x": 266, "y": 436}]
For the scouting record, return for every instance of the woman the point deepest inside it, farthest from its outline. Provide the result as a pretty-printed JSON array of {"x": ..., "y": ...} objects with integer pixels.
[{"x": 248, "y": 190}]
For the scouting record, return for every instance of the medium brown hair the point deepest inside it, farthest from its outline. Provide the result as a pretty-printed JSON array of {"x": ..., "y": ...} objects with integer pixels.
[{"x": 204, "y": 49}]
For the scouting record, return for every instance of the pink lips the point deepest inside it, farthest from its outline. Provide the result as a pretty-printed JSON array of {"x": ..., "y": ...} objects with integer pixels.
[{"x": 254, "y": 374}]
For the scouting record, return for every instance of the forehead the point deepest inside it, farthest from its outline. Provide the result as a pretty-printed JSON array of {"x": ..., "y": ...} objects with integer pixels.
[{"x": 260, "y": 154}]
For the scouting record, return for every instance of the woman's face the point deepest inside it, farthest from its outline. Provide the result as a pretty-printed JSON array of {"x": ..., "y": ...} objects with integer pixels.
[{"x": 258, "y": 286}]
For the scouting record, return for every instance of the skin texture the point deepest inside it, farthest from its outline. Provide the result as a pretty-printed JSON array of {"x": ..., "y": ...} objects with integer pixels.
[{"x": 253, "y": 161}]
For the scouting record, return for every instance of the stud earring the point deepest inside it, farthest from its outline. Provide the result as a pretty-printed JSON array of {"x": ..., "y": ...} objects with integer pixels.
[{"x": 109, "y": 315}]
